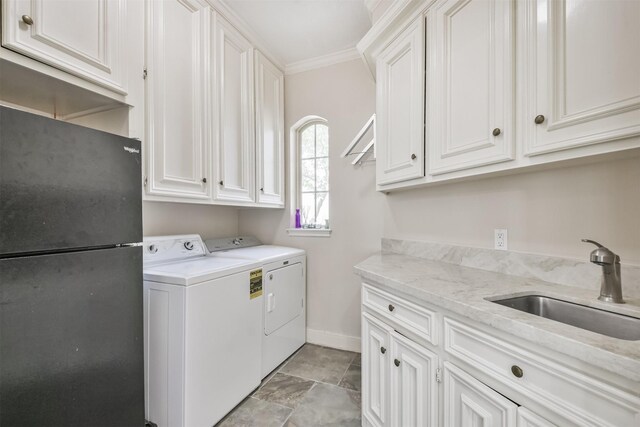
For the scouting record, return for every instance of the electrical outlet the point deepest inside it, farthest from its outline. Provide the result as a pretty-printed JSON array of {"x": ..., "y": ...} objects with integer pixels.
[{"x": 500, "y": 239}]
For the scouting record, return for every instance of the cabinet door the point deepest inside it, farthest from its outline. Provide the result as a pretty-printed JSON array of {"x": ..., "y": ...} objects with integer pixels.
[
  {"x": 413, "y": 384},
  {"x": 84, "y": 38},
  {"x": 375, "y": 371},
  {"x": 581, "y": 73},
  {"x": 400, "y": 107},
  {"x": 526, "y": 418},
  {"x": 269, "y": 131},
  {"x": 471, "y": 84},
  {"x": 469, "y": 403},
  {"x": 233, "y": 132},
  {"x": 177, "y": 151}
]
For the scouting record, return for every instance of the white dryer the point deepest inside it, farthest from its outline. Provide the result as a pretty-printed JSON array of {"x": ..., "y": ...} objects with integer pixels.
[
  {"x": 202, "y": 332},
  {"x": 284, "y": 310}
]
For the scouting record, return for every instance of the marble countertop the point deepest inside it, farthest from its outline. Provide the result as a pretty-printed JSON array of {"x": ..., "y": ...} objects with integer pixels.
[{"x": 468, "y": 291}]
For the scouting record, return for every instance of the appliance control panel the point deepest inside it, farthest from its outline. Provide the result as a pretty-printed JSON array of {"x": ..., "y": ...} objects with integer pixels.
[
  {"x": 159, "y": 249},
  {"x": 225, "y": 244}
]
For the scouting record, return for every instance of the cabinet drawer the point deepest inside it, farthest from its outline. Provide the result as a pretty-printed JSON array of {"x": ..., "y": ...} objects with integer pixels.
[
  {"x": 415, "y": 319},
  {"x": 574, "y": 396}
]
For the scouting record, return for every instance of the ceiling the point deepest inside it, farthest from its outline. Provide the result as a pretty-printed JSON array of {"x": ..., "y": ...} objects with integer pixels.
[{"x": 296, "y": 30}]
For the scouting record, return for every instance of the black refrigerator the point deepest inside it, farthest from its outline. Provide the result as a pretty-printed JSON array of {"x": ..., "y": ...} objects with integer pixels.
[{"x": 71, "y": 322}]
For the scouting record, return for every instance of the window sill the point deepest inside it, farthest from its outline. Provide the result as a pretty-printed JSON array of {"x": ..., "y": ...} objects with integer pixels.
[{"x": 309, "y": 232}]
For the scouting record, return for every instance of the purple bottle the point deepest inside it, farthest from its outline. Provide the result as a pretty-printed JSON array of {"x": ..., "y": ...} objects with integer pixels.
[{"x": 298, "y": 225}]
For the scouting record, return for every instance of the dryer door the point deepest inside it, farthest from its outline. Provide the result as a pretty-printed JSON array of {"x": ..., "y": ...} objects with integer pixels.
[{"x": 284, "y": 289}]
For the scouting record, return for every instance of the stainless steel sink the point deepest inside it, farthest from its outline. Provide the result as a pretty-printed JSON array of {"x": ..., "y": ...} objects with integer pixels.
[{"x": 592, "y": 319}]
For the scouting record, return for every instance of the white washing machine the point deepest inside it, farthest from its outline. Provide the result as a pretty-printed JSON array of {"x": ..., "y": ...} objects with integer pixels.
[
  {"x": 284, "y": 311},
  {"x": 202, "y": 331}
]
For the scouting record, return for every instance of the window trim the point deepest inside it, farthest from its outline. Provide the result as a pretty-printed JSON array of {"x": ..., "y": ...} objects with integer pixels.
[{"x": 295, "y": 176}]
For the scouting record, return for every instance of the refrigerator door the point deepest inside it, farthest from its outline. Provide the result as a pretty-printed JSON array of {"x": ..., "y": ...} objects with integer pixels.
[
  {"x": 64, "y": 186},
  {"x": 71, "y": 339}
]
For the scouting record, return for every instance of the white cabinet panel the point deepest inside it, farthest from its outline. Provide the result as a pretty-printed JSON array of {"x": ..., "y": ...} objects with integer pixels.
[
  {"x": 414, "y": 388},
  {"x": 375, "y": 367},
  {"x": 471, "y": 84},
  {"x": 526, "y": 418},
  {"x": 400, "y": 107},
  {"x": 85, "y": 38},
  {"x": 269, "y": 131},
  {"x": 233, "y": 133},
  {"x": 581, "y": 73},
  {"x": 177, "y": 62},
  {"x": 469, "y": 403}
]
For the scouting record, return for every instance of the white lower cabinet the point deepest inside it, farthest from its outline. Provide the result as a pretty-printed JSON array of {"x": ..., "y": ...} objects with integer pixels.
[
  {"x": 421, "y": 367},
  {"x": 414, "y": 389},
  {"x": 399, "y": 378},
  {"x": 469, "y": 403},
  {"x": 375, "y": 371},
  {"x": 526, "y": 418}
]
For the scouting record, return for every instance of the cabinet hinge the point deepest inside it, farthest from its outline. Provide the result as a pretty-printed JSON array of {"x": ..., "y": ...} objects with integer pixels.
[
  {"x": 438, "y": 375},
  {"x": 144, "y": 73},
  {"x": 145, "y": 181}
]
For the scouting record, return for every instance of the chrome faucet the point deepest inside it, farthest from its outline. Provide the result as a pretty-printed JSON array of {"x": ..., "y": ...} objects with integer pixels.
[{"x": 611, "y": 288}]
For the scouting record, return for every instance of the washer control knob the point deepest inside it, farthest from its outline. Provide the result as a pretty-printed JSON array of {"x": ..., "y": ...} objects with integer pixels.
[
  {"x": 153, "y": 249},
  {"x": 188, "y": 246}
]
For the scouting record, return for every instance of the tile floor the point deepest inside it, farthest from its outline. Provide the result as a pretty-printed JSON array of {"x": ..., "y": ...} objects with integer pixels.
[{"x": 317, "y": 386}]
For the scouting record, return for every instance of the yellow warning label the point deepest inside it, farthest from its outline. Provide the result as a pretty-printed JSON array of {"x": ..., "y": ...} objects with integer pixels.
[{"x": 255, "y": 284}]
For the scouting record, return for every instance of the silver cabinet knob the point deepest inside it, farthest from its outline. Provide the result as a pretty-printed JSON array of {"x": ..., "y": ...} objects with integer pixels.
[
  {"x": 383, "y": 350},
  {"x": 496, "y": 132},
  {"x": 396, "y": 362},
  {"x": 221, "y": 182},
  {"x": 539, "y": 119},
  {"x": 517, "y": 371},
  {"x": 27, "y": 19},
  {"x": 413, "y": 157},
  {"x": 204, "y": 180},
  {"x": 271, "y": 277},
  {"x": 391, "y": 307}
]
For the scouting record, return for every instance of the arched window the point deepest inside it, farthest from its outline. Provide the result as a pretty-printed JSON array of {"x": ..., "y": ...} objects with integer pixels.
[{"x": 310, "y": 173}]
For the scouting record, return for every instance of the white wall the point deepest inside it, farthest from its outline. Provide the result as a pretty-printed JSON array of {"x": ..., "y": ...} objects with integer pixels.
[
  {"x": 162, "y": 218},
  {"x": 344, "y": 95},
  {"x": 545, "y": 212}
]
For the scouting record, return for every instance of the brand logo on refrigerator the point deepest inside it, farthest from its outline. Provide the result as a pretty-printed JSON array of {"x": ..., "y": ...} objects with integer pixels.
[{"x": 131, "y": 150}]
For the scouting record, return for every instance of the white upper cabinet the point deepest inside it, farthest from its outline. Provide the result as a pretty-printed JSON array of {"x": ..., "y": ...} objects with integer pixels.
[
  {"x": 470, "y": 92},
  {"x": 400, "y": 107},
  {"x": 233, "y": 109},
  {"x": 85, "y": 38},
  {"x": 177, "y": 62},
  {"x": 581, "y": 63},
  {"x": 269, "y": 131}
]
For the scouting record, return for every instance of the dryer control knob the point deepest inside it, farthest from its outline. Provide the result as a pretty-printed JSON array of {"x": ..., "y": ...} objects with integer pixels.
[
  {"x": 188, "y": 246},
  {"x": 152, "y": 249}
]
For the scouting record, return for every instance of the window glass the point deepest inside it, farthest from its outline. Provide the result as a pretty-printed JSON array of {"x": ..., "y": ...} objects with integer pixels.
[{"x": 314, "y": 176}]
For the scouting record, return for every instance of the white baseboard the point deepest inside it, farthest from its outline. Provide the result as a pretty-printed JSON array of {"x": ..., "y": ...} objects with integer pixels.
[{"x": 333, "y": 340}]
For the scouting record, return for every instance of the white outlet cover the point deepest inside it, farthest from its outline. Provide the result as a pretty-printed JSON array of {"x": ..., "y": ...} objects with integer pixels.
[{"x": 500, "y": 239}]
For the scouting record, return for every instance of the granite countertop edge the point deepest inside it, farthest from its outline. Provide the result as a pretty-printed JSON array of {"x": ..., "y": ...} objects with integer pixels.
[{"x": 467, "y": 292}]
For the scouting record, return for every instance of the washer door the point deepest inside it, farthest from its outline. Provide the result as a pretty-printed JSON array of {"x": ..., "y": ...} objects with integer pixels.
[{"x": 284, "y": 289}]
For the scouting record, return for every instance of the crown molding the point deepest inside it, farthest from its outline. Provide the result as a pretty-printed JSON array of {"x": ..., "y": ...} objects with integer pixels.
[
  {"x": 322, "y": 61},
  {"x": 230, "y": 15}
]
